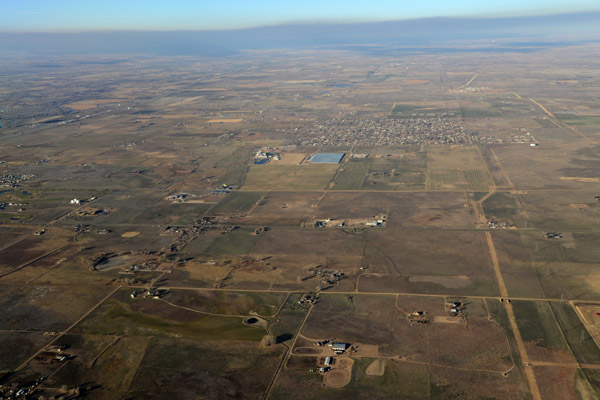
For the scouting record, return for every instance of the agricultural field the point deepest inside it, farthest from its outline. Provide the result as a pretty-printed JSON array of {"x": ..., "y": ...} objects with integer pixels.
[
  {"x": 352, "y": 174},
  {"x": 238, "y": 202},
  {"x": 476, "y": 180},
  {"x": 454, "y": 249},
  {"x": 457, "y": 168},
  {"x": 408, "y": 172},
  {"x": 289, "y": 177}
]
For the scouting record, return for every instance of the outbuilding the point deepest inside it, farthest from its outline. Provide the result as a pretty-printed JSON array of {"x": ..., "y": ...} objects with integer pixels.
[{"x": 340, "y": 347}]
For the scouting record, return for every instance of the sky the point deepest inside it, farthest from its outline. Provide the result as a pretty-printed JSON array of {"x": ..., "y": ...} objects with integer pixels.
[{"x": 84, "y": 15}]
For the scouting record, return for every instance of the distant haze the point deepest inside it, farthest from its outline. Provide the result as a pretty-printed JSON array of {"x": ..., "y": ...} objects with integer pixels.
[
  {"x": 163, "y": 15},
  {"x": 409, "y": 34}
]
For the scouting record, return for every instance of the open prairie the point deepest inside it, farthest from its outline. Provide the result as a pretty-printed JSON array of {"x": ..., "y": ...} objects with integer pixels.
[{"x": 165, "y": 231}]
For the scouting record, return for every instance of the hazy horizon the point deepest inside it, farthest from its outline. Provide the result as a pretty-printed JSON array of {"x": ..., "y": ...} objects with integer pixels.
[
  {"x": 391, "y": 34},
  {"x": 69, "y": 15}
]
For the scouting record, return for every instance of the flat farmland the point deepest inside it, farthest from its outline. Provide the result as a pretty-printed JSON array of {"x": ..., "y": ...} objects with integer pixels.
[
  {"x": 570, "y": 280},
  {"x": 214, "y": 368},
  {"x": 237, "y": 202},
  {"x": 285, "y": 208},
  {"x": 46, "y": 307},
  {"x": 240, "y": 241},
  {"x": 228, "y": 303},
  {"x": 39, "y": 267},
  {"x": 534, "y": 266},
  {"x": 31, "y": 248},
  {"x": 10, "y": 234},
  {"x": 546, "y": 167},
  {"x": 474, "y": 180},
  {"x": 411, "y": 260},
  {"x": 399, "y": 380},
  {"x": 383, "y": 321},
  {"x": 405, "y": 173},
  {"x": 456, "y": 168},
  {"x": 26, "y": 342},
  {"x": 309, "y": 241},
  {"x": 437, "y": 140},
  {"x": 454, "y": 157},
  {"x": 563, "y": 383},
  {"x": 121, "y": 315},
  {"x": 453, "y": 383},
  {"x": 541, "y": 332},
  {"x": 560, "y": 210},
  {"x": 442, "y": 210},
  {"x": 352, "y": 174},
  {"x": 289, "y": 177},
  {"x": 292, "y": 272},
  {"x": 504, "y": 207},
  {"x": 109, "y": 363}
]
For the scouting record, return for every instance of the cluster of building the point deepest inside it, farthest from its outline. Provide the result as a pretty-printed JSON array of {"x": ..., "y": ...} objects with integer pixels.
[
  {"x": 419, "y": 317},
  {"x": 11, "y": 204},
  {"x": 337, "y": 347},
  {"x": 79, "y": 201},
  {"x": 454, "y": 308},
  {"x": 7, "y": 180},
  {"x": 144, "y": 267},
  {"x": 375, "y": 221},
  {"x": 382, "y": 131},
  {"x": 183, "y": 235},
  {"x": 515, "y": 138},
  {"x": 152, "y": 292},
  {"x": 494, "y": 224},
  {"x": 223, "y": 189},
  {"x": 86, "y": 228},
  {"x": 348, "y": 131},
  {"x": 17, "y": 391},
  {"x": 306, "y": 300},
  {"x": 179, "y": 197},
  {"x": 263, "y": 156},
  {"x": 54, "y": 354},
  {"x": 471, "y": 89},
  {"x": 328, "y": 276}
]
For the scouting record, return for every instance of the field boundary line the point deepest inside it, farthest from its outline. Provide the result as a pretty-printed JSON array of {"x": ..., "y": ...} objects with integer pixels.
[
  {"x": 501, "y": 167},
  {"x": 527, "y": 367},
  {"x": 286, "y": 356},
  {"x": 63, "y": 333}
]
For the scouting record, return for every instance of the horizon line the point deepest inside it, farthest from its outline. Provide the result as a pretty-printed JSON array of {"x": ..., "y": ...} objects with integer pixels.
[{"x": 300, "y": 24}]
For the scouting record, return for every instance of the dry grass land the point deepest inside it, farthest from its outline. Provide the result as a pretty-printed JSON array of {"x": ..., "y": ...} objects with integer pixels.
[
  {"x": 289, "y": 177},
  {"x": 456, "y": 168},
  {"x": 213, "y": 368},
  {"x": 436, "y": 144}
]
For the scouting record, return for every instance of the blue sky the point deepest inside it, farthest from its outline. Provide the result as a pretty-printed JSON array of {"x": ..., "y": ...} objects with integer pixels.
[{"x": 71, "y": 15}]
